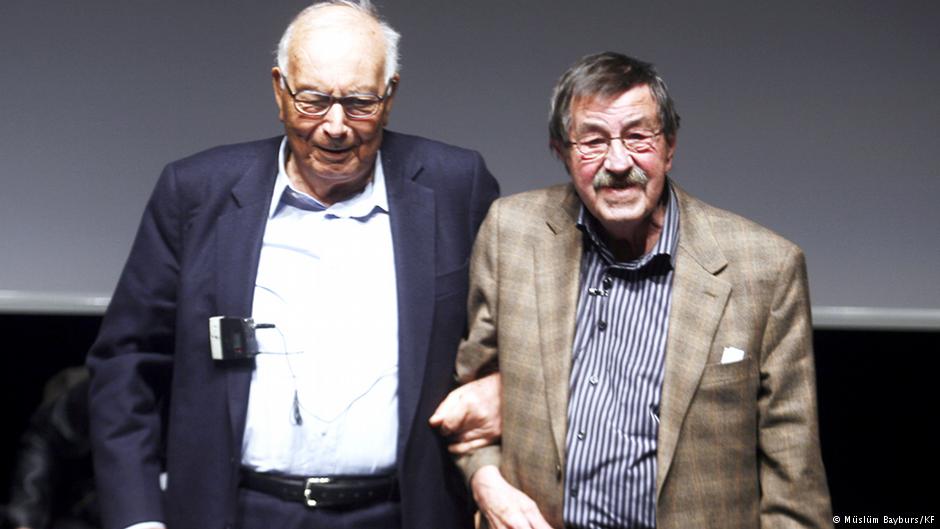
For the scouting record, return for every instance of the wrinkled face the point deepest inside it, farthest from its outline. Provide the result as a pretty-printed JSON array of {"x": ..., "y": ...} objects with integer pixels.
[
  {"x": 340, "y": 53},
  {"x": 611, "y": 186}
]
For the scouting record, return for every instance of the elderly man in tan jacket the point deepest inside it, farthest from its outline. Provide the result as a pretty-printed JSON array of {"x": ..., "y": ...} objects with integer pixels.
[{"x": 655, "y": 353}]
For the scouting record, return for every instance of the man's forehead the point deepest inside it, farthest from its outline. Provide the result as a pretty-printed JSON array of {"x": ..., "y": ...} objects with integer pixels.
[
  {"x": 633, "y": 105},
  {"x": 351, "y": 46}
]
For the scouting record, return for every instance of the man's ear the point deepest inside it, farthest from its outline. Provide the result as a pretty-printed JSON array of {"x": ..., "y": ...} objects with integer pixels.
[
  {"x": 560, "y": 151},
  {"x": 391, "y": 90},
  {"x": 670, "y": 152},
  {"x": 277, "y": 84}
]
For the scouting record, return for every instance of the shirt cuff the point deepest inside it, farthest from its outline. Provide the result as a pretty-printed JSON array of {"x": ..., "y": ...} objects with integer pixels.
[{"x": 147, "y": 525}]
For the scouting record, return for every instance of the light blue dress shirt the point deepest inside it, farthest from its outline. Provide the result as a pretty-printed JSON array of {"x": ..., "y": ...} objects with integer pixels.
[{"x": 324, "y": 392}]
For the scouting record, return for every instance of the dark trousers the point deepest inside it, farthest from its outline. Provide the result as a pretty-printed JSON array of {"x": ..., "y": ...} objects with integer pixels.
[{"x": 261, "y": 511}]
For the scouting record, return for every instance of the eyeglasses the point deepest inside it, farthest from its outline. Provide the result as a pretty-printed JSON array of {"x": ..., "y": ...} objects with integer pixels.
[
  {"x": 356, "y": 106},
  {"x": 595, "y": 146}
]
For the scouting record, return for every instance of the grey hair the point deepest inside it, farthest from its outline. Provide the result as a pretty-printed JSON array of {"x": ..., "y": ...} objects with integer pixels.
[
  {"x": 363, "y": 6},
  {"x": 607, "y": 74}
]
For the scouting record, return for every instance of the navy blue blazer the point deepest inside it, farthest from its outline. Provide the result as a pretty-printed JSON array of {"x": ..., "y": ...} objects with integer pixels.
[{"x": 158, "y": 401}]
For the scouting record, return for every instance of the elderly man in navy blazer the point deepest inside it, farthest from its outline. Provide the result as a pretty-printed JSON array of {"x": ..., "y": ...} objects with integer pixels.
[{"x": 344, "y": 248}]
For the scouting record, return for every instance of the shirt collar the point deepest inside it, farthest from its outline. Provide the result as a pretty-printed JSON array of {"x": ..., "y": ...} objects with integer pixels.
[
  {"x": 665, "y": 246},
  {"x": 373, "y": 197}
]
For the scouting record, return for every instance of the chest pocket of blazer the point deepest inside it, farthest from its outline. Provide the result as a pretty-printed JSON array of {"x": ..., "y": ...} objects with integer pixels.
[
  {"x": 728, "y": 384},
  {"x": 452, "y": 282},
  {"x": 721, "y": 374},
  {"x": 724, "y": 410}
]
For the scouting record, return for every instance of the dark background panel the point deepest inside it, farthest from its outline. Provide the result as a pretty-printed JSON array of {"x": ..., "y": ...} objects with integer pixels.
[
  {"x": 878, "y": 402},
  {"x": 37, "y": 347}
]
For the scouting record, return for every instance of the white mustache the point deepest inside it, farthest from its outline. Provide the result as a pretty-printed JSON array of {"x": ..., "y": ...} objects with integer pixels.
[{"x": 635, "y": 176}]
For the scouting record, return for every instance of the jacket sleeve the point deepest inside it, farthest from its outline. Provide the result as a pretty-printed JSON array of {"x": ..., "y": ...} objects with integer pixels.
[
  {"x": 131, "y": 363},
  {"x": 794, "y": 492},
  {"x": 478, "y": 353}
]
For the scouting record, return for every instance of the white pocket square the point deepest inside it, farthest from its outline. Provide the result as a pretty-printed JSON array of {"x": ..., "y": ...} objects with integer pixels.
[{"x": 731, "y": 355}]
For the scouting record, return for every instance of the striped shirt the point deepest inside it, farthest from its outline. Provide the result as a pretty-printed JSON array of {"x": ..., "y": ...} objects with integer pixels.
[{"x": 616, "y": 380}]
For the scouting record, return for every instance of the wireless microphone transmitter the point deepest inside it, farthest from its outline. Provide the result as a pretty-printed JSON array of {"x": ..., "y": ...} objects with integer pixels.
[{"x": 232, "y": 338}]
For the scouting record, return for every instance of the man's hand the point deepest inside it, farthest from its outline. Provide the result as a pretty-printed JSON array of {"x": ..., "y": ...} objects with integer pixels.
[
  {"x": 504, "y": 506},
  {"x": 470, "y": 415}
]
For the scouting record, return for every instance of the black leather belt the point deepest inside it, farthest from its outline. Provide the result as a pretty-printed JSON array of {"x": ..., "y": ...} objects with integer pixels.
[{"x": 326, "y": 492}]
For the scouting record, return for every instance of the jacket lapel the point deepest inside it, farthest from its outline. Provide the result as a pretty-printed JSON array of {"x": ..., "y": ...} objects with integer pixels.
[
  {"x": 239, "y": 233},
  {"x": 698, "y": 301},
  {"x": 557, "y": 262},
  {"x": 412, "y": 214}
]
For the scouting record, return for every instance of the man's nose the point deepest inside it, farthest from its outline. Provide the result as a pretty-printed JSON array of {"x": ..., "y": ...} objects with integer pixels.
[
  {"x": 618, "y": 159},
  {"x": 334, "y": 121}
]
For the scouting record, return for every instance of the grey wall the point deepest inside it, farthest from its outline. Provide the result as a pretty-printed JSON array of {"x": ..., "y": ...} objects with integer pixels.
[{"x": 816, "y": 119}]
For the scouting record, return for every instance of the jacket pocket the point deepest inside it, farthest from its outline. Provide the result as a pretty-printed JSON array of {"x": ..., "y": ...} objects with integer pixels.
[{"x": 720, "y": 374}]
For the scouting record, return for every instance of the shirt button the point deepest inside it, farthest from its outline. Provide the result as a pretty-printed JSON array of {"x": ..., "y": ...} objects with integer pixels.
[
  {"x": 574, "y": 491},
  {"x": 602, "y": 325},
  {"x": 608, "y": 282},
  {"x": 593, "y": 380},
  {"x": 580, "y": 436}
]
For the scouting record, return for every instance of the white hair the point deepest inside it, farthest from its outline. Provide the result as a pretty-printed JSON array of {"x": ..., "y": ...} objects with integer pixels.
[{"x": 363, "y": 6}]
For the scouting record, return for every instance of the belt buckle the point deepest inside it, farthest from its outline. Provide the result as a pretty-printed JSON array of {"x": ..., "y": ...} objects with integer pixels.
[{"x": 308, "y": 492}]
